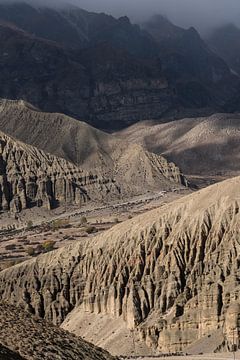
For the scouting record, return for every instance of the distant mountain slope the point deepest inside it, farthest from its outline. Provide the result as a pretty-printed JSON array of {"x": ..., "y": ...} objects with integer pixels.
[
  {"x": 36, "y": 339},
  {"x": 171, "y": 274},
  {"x": 76, "y": 28},
  {"x": 203, "y": 146},
  {"x": 115, "y": 73},
  {"x": 225, "y": 41}
]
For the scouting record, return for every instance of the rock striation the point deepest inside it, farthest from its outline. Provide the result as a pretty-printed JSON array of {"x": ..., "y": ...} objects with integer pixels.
[
  {"x": 115, "y": 72},
  {"x": 171, "y": 274},
  {"x": 26, "y": 337},
  {"x": 29, "y": 177}
]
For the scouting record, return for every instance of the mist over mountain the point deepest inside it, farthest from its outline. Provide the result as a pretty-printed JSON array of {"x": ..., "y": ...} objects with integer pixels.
[{"x": 204, "y": 15}]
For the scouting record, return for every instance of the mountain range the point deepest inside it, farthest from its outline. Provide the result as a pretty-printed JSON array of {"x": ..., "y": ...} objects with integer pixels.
[
  {"x": 108, "y": 71},
  {"x": 107, "y": 131}
]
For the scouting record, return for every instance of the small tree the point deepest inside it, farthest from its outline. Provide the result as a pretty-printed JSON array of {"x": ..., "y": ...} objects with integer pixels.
[
  {"x": 91, "y": 229},
  {"x": 30, "y": 251},
  {"x": 29, "y": 224},
  {"x": 48, "y": 245}
]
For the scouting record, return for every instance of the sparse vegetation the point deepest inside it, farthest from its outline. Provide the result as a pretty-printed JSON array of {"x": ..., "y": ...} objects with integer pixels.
[
  {"x": 60, "y": 223},
  {"x": 30, "y": 251},
  {"x": 48, "y": 245},
  {"x": 90, "y": 229},
  {"x": 83, "y": 220},
  {"x": 29, "y": 224}
]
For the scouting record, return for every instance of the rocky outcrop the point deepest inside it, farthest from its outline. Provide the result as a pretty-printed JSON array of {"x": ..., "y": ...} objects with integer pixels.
[
  {"x": 171, "y": 274},
  {"x": 30, "y": 177},
  {"x": 26, "y": 337}
]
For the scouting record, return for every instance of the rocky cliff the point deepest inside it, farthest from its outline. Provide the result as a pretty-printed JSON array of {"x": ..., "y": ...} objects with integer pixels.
[
  {"x": 31, "y": 177},
  {"x": 115, "y": 73},
  {"x": 172, "y": 274}
]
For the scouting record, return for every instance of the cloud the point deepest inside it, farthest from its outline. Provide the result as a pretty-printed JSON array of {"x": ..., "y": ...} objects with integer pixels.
[{"x": 202, "y": 14}]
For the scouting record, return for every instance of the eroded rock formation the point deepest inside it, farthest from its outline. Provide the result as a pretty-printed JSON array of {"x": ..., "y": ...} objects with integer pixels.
[
  {"x": 30, "y": 177},
  {"x": 172, "y": 274}
]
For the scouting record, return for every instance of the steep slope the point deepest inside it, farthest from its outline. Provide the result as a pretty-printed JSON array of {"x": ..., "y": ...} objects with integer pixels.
[
  {"x": 29, "y": 177},
  {"x": 7, "y": 354},
  {"x": 109, "y": 94},
  {"x": 84, "y": 145},
  {"x": 34, "y": 339},
  {"x": 171, "y": 274},
  {"x": 115, "y": 73},
  {"x": 105, "y": 168},
  {"x": 225, "y": 41},
  {"x": 199, "y": 75},
  {"x": 76, "y": 28},
  {"x": 205, "y": 146}
]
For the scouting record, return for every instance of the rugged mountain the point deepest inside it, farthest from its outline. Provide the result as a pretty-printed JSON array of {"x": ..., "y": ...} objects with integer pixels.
[
  {"x": 35, "y": 339},
  {"x": 76, "y": 28},
  {"x": 105, "y": 167},
  {"x": 206, "y": 146},
  {"x": 115, "y": 73},
  {"x": 172, "y": 275},
  {"x": 225, "y": 41},
  {"x": 108, "y": 91},
  {"x": 199, "y": 75}
]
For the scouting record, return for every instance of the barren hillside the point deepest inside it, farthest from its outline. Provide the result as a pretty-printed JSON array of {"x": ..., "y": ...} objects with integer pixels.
[
  {"x": 171, "y": 275},
  {"x": 108, "y": 166},
  {"x": 206, "y": 146},
  {"x": 31, "y": 338}
]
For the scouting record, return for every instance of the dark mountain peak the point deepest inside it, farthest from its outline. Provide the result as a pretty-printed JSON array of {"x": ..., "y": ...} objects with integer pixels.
[
  {"x": 124, "y": 20},
  {"x": 161, "y": 28},
  {"x": 225, "y": 41}
]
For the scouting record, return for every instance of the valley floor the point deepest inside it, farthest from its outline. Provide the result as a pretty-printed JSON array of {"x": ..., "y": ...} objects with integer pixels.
[
  {"x": 223, "y": 356},
  {"x": 63, "y": 225}
]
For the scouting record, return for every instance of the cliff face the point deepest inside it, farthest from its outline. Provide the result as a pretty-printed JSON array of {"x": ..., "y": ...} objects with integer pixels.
[
  {"x": 30, "y": 177},
  {"x": 115, "y": 73},
  {"x": 171, "y": 274}
]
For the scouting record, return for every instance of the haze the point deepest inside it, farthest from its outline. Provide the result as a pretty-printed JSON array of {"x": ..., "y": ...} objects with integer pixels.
[{"x": 203, "y": 14}]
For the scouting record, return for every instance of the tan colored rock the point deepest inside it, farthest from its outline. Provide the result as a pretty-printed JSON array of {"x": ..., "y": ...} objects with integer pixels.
[
  {"x": 30, "y": 177},
  {"x": 171, "y": 274}
]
